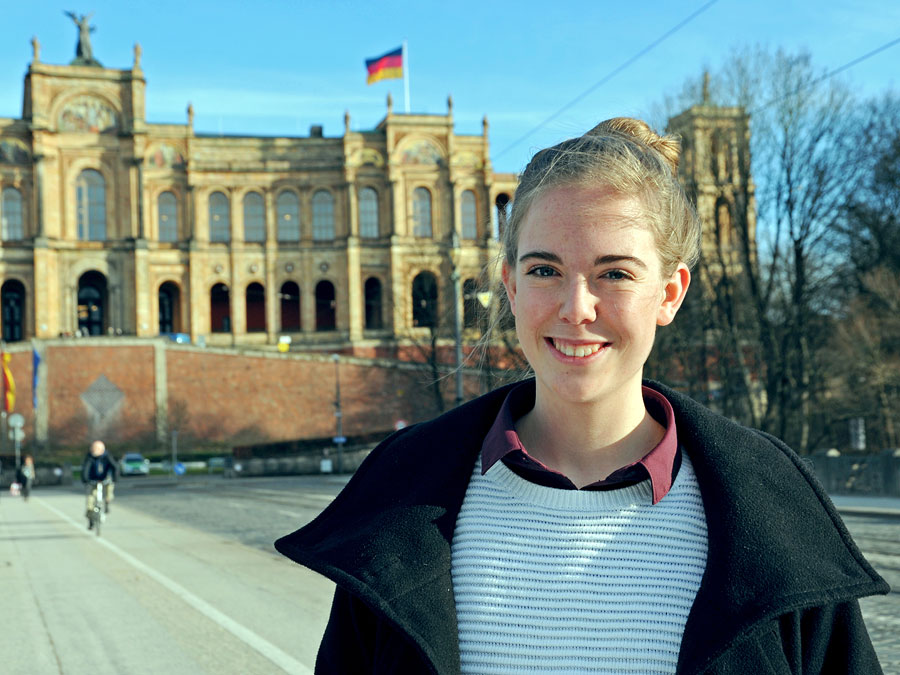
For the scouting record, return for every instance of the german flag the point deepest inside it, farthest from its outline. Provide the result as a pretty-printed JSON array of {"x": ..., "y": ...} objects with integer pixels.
[
  {"x": 9, "y": 384},
  {"x": 385, "y": 67}
]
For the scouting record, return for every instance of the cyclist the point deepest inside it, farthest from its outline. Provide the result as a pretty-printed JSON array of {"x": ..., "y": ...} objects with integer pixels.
[{"x": 99, "y": 467}]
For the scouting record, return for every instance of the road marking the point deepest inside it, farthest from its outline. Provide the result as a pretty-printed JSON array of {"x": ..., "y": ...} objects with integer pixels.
[
  {"x": 284, "y": 661},
  {"x": 291, "y": 514},
  {"x": 300, "y": 495}
]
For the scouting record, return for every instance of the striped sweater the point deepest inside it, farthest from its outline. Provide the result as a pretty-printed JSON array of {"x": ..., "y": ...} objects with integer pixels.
[{"x": 568, "y": 581}]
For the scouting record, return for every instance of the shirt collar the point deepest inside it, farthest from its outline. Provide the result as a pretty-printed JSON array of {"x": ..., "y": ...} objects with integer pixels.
[{"x": 661, "y": 463}]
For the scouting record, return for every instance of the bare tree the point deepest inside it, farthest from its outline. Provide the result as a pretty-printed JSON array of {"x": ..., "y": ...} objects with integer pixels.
[{"x": 805, "y": 164}]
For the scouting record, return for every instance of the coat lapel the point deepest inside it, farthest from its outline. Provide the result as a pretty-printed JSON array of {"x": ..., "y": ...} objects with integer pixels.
[
  {"x": 776, "y": 544},
  {"x": 387, "y": 536}
]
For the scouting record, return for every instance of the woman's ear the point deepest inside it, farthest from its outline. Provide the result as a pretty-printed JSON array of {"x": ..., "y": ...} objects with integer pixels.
[
  {"x": 673, "y": 294},
  {"x": 509, "y": 283}
]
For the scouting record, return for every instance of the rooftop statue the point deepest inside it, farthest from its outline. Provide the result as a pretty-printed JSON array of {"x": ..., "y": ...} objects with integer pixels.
[{"x": 84, "y": 55}]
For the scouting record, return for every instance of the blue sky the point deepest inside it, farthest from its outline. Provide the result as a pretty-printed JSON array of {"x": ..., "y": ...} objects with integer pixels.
[{"x": 275, "y": 67}]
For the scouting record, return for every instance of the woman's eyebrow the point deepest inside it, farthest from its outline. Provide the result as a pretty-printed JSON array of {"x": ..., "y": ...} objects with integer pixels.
[
  {"x": 608, "y": 259},
  {"x": 541, "y": 255}
]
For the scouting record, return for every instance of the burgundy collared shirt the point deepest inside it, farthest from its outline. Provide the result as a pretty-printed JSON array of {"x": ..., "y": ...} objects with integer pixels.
[{"x": 660, "y": 465}]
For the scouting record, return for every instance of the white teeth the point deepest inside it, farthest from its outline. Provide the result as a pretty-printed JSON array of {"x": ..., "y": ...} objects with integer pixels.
[{"x": 579, "y": 351}]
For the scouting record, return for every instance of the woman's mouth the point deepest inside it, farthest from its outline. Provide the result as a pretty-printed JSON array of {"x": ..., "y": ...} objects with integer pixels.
[{"x": 577, "y": 350}]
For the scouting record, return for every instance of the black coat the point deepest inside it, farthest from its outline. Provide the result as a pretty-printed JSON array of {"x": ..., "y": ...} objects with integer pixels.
[
  {"x": 779, "y": 594},
  {"x": 97, "y": 468}
]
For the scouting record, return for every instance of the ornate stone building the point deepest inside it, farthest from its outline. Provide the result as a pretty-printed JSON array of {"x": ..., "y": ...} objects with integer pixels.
[
  {"x": 111, "y": 224},
  {"x": 715, "y": 170}
]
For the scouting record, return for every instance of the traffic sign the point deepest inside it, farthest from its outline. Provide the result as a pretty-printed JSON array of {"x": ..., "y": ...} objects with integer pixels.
[
  {"x": 179, "y": 468},
  {"x": 16, "y": 434},
  {"x": 339, "y": 440},
  {"x": 16, "y": 421}
]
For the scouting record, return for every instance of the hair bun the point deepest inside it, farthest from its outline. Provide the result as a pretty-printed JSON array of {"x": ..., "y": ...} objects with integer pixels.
[{"x": 668, "y": 146}]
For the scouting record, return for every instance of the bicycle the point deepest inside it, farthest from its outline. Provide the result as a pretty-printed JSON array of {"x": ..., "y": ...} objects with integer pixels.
[{"x": 96, "y": 514}]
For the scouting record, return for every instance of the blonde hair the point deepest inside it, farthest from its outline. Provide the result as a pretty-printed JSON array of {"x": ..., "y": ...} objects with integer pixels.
[{"x": 627, "y": 156}]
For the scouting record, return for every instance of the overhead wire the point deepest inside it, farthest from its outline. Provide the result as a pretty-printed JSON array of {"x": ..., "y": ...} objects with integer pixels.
[
  {"x": 615, "y": 71},
  {"x": 828, "y": 75}
]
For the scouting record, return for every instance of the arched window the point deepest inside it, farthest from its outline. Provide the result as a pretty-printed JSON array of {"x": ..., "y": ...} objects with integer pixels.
[
  {"x": 92, "y": 298},
  {"x": 256, "y": 308},
  {"x": 469, "y": 215},
  {"x": 169, "y": 308},
  {"x": 13, "y": 302},
  {"x": 219, "y": 309},
  {"x": 373, "y": 304},
  {"x": 368, "y": 213},
  {"x": 323, "y": 216},
  {"x": 288, "y": 208},
  {"x": 167, "y": 212},
  {"x": 421, "y": 212},
  {"x": 723, "y": 222},
  {"x": 424, "y": 300},
  {"x": 90, "y": 199},
  {"x": 290, "y": 306},
  {"x": 470, "y": 303},
  {"x": 219, "y": 218},
  {"x": 501, "y": 214},
  {"x": 326, "y": 306},
  {"x": 13, "y": 225},
  {"x": 254, "y": 217}
]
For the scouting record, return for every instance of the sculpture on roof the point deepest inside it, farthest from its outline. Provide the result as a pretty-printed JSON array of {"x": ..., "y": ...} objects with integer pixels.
[{"x": 84, "y": 55}]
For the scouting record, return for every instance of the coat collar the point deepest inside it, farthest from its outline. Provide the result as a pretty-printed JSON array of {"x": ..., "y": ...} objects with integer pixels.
[
  {"x": 776, "y": 543},
  {"x": 391, "y": 545}
]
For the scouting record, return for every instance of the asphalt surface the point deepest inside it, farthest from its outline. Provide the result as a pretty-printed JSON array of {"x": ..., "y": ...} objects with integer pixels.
[{"x": 185, "y": 579}]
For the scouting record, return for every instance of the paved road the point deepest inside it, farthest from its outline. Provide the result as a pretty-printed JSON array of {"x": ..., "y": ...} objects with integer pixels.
[
  {"x": 185, "y": 579},
  {"x": 151, "y": 595}
]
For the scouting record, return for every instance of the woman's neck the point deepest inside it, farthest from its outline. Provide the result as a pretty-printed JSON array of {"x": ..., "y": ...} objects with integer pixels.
[{"x": 586, "y": 442}]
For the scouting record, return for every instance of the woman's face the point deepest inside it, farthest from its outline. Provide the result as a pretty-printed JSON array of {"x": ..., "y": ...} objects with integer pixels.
[{"x": 587, "y": 292}]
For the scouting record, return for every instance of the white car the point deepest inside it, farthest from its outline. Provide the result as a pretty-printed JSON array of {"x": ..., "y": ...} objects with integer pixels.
[{"x": 134, "y": 464}]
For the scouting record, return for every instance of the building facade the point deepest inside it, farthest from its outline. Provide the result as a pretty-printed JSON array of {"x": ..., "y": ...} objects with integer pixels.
[{"x": 113, "y": 225}]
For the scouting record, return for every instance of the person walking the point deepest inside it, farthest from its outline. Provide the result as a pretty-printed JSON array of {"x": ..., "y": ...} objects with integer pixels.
[
  {"x": 26, "y": 476},
  {"x": 587, "y": 520}
]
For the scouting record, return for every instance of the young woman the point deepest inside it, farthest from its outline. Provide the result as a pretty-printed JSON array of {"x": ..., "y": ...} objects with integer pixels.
[{"x": 584, "y": 520}]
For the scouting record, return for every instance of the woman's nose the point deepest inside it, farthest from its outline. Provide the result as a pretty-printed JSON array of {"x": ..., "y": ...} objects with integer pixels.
[{"x": 579, "y": 304}]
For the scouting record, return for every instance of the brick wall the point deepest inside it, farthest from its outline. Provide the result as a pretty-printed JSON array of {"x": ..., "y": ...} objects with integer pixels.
[{"x": 132, "y": 391}]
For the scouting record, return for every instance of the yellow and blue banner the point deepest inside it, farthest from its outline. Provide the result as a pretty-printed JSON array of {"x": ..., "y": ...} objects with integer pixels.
[{"x": 9, "y": 384}]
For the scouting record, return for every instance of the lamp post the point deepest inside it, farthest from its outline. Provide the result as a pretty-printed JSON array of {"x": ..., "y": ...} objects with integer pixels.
[
  {"x": 457, "y": 318},
  {"x": 339, "y": 439}
]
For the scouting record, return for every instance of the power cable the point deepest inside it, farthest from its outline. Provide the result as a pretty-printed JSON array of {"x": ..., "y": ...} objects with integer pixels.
[
  {"x": 828, "y": 75},
  {"x": 611, "y": 74}
]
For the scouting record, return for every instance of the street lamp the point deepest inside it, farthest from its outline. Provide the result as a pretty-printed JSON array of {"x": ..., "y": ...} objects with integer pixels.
[
  {"x": 339, "y": 439},
  {"x": 457, "y": 318}
]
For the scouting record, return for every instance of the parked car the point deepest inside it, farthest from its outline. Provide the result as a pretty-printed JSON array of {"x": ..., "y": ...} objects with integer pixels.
[
  {"x": 134, "y": 464},
  {"x": 179, "y": 338}
]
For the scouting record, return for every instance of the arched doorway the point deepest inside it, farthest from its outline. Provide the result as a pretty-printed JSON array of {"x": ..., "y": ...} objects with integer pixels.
[
  {"x": 290, "y": 306},
  {"x": 325, "y": 306},
  {"x": 256, "y": 308},
  {"x": 424, "y": 300},
  {"x": 92, "y": 304},
  {"x": 373, "y": 304},
  {"x": 169, "y": 308},
  {"x": 219, "y": 309},
  {"x": 13, "y": 301}
]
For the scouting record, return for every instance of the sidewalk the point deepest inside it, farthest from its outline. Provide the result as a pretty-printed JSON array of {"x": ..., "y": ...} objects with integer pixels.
[{"x": 866, "y": 505}]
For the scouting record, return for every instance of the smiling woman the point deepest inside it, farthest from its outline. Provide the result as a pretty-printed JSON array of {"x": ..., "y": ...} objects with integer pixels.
[{"x": 586, "y": 520}]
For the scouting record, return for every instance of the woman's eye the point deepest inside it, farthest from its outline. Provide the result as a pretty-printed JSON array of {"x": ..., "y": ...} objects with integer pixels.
[
  {"x": 542, "y": 271},
  {"x": 617, "y": 275}
]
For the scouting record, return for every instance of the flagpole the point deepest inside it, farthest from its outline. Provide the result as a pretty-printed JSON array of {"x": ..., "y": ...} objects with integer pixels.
[{"x": 405, "y": 77}]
